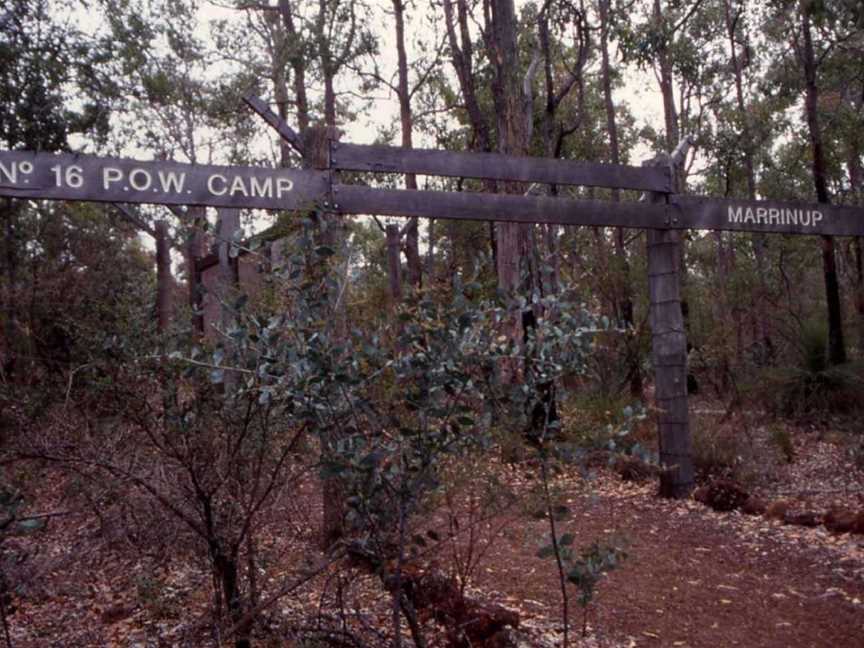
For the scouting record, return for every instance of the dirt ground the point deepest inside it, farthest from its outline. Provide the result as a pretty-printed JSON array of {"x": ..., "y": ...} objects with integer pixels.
[{"x": 692, "y": 577}]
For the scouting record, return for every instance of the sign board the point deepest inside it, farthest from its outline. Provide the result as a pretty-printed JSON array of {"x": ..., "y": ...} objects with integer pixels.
[
  {"x": 767, "y": 216},
  {"x": 86, "y": 177}
]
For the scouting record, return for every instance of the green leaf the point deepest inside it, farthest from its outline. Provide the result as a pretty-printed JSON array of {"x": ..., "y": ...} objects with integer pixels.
[
  {"x": 560, "y": 512},
  {"x": 31, "y": 525},
  {"x": 546, "y": 552}
]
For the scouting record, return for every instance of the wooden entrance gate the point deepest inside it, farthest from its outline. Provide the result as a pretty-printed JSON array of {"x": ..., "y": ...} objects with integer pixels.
[{"x": 663, "y": 214}]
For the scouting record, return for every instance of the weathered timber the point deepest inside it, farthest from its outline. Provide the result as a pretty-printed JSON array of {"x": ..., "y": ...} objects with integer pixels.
[
  {"x": 275, "y": 121},
  {"x": 351, "y": 199},
  {"x": 89, "y": 178},
  {"x": 669, "y": 356},
  {"x": 229, "y": 280},
  {"x": 394, "y": 264},
  {"x": 768, "y": 216},
  {"x": 682, "y": 213},
  {"x": 163, "y": 276},
  {"x": 85, "y": 177},
  {"x": 495, "y": 166},
  {"x": 194, "y": 247}
]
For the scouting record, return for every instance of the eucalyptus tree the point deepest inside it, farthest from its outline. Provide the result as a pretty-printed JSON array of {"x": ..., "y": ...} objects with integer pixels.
[
  {"x": 51, "y": 88},
  {"x": 744, "y": 124},
  {"x": 807, "y": 35}
]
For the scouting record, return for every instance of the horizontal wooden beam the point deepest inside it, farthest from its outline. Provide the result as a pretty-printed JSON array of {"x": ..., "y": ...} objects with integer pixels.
[
  {"x": 68, "y": 176},
  {"x": 494, "y": 166},
  {"x": 768, "y": 216},
  {"x": 350, "y": 199},
  {"x": 683, "y": 212}
]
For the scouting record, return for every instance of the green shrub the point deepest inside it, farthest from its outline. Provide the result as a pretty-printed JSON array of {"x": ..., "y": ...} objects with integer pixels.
[
  {"x": 781, "y": 438},
  {"x": 725, "y": 452},
  {"x": 810, "y": 387},
  {"x": 799, "y": 392}
]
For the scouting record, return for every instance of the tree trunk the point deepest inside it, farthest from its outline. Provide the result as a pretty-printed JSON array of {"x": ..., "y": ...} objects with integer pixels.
[
  {"x": 229, "y": 280},
  {"x": 462, "y": 60},
  {"x": 758, "y": 240},
  {"x": 163, "y": 277},
  {"x": 297, "y": 61},
  {"x": 394, "y": 265},
  {"x": 664, "y": 62},
  {"x": 412, "y": 238},
  {"x": 228, "y": 574},
  {"x": 856, "y": 178},
  {"x": 193, "y": 255},
  {"x": 10, "y": 315},
  {"x": 623, "y": 279},
  {"x": 512, "y": 135},
  {"x": 836, "y": 345}
]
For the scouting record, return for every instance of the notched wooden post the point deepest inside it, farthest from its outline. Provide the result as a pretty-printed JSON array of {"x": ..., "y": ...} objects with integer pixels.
[
  {"x": 318, "y": 145},
  {"x": 669, "y": 354}
]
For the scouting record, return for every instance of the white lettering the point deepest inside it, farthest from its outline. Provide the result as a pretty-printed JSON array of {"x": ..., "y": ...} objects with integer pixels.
[
  {"x": 817, "y": 216},
  {"x": 140, "y": 179},
  {"x": 10, "y": 172},
  {"x": 238, "y": 187},
  {"x": 109, "y": 175},
  {"x": 773, "y": 215},
  {"x": 171, "y": 181},
  {"x": 283, "y": 185},
  {"x": 735, "y": 214},
  {"x": 264, "y": 189},
  {"x": 761, "y": 215},
  {"x": 748, "y": 216},
  {"x": 805, "y": 217},
  {"x": 211, "y": 184}
]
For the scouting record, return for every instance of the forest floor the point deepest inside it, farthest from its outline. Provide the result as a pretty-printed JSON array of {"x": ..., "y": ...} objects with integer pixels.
[{"x": 692, "y": 577}]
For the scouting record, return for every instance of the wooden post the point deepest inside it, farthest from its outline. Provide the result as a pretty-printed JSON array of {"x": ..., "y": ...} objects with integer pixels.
[
  {"x": 193, "y": 256},
  {"x": 229, "y": 223},
  {"x": 163, "y": 277},
  {"x": 229, "y": 279},
  {"x": 394, "y": 264},
  {"x": 669, "y": 356},
  {"x": 318, "y": 144}
]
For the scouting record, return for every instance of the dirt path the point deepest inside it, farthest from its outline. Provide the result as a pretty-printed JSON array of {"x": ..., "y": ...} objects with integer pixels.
[{"x": 694, "y": 577}]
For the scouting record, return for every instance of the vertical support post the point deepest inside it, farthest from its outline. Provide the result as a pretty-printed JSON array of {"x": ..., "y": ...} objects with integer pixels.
[
  {"x": 320, "y": 146},
  {"x": 193, "y": 257},
  {"x": 229, "y": 223},
  {"x": 669, "y": 356},
  {"x": 394, "y": 264},
  {"x": 163, "y": 277}
]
